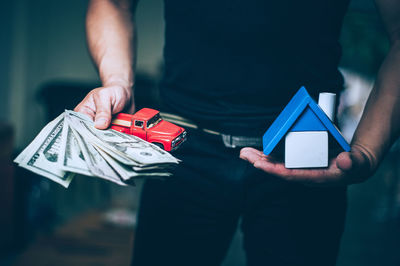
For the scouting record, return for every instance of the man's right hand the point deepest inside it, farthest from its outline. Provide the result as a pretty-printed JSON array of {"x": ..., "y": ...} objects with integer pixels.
[
  {"x": 101, "y": 103},
  {"x": 110, "y": 36}
]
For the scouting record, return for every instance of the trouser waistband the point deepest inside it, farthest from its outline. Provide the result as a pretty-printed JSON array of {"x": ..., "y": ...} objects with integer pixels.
[{"x": 229, "y": 141}]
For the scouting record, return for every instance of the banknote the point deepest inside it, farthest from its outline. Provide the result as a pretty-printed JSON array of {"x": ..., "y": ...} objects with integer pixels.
[
  {"x": 153, "y": 168},
  {"x": 97, "y": 165},
  {"x": 117, "y": 143},
  {"x": 38, "y": 138},
  {"x": 70, "y": 145},
  {"x": 41, "y": 156},
  {"x": 71, "y": 157},
  {"x": 127, "y": 172}
]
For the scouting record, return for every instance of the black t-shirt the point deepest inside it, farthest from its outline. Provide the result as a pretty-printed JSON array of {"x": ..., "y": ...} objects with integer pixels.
[{"x": 232, "y": 65}]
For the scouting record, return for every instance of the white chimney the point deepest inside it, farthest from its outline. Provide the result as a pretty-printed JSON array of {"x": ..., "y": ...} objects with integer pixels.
[{"x": 327, "y": 102}]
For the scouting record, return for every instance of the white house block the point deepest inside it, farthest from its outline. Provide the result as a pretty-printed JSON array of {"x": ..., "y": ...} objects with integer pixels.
[{"x": 306, "y": 149}]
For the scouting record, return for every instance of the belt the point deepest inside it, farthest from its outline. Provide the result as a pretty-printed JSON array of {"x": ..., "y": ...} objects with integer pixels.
[{"x": 229, "y": 141}]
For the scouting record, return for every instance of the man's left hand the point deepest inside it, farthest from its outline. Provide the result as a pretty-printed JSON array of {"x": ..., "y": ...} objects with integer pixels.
[{"x": 347, "y": 168}]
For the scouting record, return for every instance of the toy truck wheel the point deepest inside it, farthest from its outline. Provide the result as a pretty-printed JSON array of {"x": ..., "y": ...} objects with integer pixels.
[{"x": 159, "y": 145}]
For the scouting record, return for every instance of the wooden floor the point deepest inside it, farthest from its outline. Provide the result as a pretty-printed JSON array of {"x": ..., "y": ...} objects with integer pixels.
[{"x": 84, "y": 241}]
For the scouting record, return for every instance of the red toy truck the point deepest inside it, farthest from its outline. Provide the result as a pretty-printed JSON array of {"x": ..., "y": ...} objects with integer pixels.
[{"x": 147, "y": 124}]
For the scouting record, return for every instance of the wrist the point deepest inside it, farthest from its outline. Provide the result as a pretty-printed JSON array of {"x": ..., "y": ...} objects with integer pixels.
[{"x": 125, "y": 84}]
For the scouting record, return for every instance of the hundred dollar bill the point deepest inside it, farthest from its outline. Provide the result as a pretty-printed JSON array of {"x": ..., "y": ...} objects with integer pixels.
[
  {"x": 43, "y": 132},
  {"x": 120, "y": 145},
  {"x": 152, "y": 168},
  {"x": 42, "y": 154},
  {"x": 97, "y": 165},
  {"x": 118, "y": 157},
  {"x": 71, "y": 157},
  {"x": 127, "y": 172}
]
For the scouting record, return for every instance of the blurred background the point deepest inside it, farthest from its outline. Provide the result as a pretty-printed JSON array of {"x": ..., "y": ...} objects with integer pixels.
[{"x": 45, "y": 68}]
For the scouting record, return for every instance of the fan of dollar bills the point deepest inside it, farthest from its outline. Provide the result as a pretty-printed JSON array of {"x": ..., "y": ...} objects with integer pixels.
[{"x": 70, "y": 145}]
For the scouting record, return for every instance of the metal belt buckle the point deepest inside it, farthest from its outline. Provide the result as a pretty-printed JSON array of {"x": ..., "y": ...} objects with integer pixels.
[
  {"x": 227, "y": 140},
  {"x": 240, "y": 141}
]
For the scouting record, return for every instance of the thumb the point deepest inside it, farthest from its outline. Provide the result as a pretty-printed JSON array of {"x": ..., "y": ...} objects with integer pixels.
[
  {"x": 344, "y": 161},
  {"x": 348, "y": 161},
  {"x": 355, "y": 164},
  {"x": 103, "y": 111}
]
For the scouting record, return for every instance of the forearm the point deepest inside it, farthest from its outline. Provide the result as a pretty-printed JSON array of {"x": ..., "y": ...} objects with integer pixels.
[
  {"x": 111, "y": 41},
  {"x": 380, "y": 123}
]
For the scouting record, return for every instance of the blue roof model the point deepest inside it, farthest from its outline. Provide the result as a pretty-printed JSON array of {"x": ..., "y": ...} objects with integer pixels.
[{"x": 302, "y": 113}]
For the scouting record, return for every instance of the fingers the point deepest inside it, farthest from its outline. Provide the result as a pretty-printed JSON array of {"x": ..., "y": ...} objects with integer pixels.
[
  {"x": 263, "y": 162},
  {"x": 131, "y": 108},
  {"x": 102, "y": 102},
  {"x": 251, "y": 155},
  {"x": 87, "y": 107},
  {"x": 346, "y": 168},
  {"x": 314, "y": 177},
  {"x": 122, "y": 100}
]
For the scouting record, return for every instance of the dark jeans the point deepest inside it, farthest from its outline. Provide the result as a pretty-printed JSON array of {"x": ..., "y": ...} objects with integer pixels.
[{"x": 190, "y": 218}]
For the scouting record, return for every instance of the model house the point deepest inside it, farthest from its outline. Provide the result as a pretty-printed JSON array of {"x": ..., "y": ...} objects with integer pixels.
[{"x": 306, "y": 127}]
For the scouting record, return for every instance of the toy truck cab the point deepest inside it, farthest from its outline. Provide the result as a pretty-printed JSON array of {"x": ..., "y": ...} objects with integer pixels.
[{"x": 147, "y": 124}]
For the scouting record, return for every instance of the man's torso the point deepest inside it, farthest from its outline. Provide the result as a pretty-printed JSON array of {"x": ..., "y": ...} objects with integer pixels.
[{"x": 232, "y": 65}]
